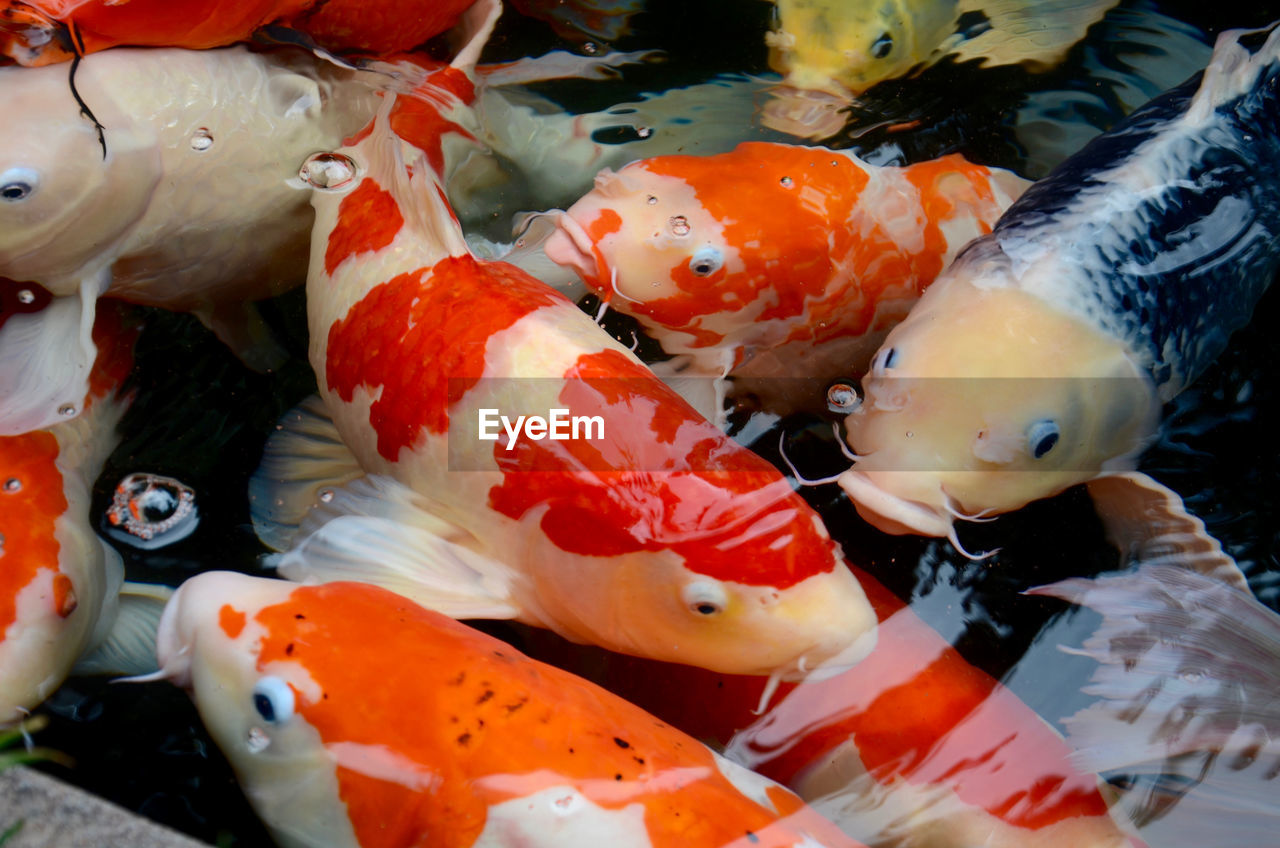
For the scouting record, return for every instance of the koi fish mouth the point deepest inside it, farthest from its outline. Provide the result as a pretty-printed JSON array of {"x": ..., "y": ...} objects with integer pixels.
[
  {"x": 893, "y": 514},
  {"x": 570, "y": 246}
]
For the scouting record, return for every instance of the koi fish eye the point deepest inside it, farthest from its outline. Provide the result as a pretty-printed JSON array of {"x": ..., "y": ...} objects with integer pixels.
[
  {"x": 273, "y": 699},
  {"x": 882, "y": 46},
  {"x": 705, "y": 598},
  {"x": 706, "y": 261},
  {"x": 18, "y": 184},
  {"x": 884, "y": 360},
  {"x": 1041, "y": 437}
]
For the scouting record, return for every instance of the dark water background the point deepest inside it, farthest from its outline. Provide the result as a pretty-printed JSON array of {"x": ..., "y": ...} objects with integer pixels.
[{"x": 202, "y": 417}]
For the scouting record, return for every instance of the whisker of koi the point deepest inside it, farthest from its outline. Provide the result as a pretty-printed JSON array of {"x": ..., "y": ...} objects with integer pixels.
[{"x": 800, "y": 478}]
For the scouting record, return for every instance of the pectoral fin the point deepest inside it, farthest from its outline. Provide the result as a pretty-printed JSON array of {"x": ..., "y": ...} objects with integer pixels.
[
  {"x": 1150, "y": 525},
  {"x": 303, "y": 458},
  {"x": 375, "y": 530},
  {"x": 129, "y": 646}
]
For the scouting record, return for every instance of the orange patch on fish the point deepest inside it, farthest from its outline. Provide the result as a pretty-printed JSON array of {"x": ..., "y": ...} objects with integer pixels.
[
  {"x": 231, "y": 620},
  {"x": 368, "y": 220},
  {"x": 687, "y": 488},
  {"x": 497, "y": 726},
  {"x": 31, "y": 500},
  {"x": 443, "y": 315},
  {"x": 422, "y": 123},
  {"x": 64, "y": 596}
]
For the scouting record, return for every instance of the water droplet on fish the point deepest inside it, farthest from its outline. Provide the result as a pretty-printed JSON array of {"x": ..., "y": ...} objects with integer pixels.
[
  {"x": 67, "y": 410},
  {"x": 841, "y": 397},
  {"x": 651, "y": 200},
  {"x": 910, "y": 434},
  {"x": 787, "y": 182},
  {"x": 679, "y": 225},
  {"x": 149, "y": 511},
  {"x": 655, "y": 284},
  {"x": 590, "y": 48},
  {"x": 327, "y": 170},
  {"x": 26, "y": 296},
  {"x": 563, "y": 804},
  {"x": 201, "y": 139},
  {"x": 13, "y": 484},
  {"x": 257, "y": 741},
  {"x": 326, "y": 495}
]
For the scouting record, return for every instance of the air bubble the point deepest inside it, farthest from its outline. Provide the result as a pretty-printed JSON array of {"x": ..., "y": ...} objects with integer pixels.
[
  {"x": 787, "y": 182},
  {"x": 67, "y": 410},
  {"x": 149, "y": 511},
  {"x": 201, "y": 139},
  {"x": 257, "y": 740},
  {"x": 13, "y": 484},
  {"x": 590, "y": 48},
  {"x": 26, "y": 296},
  {"x": 841, "y": 397},
  {"x": 644, "y": 132},
  {"x": 326, "y": 495},
  {"x": 327, "y": 170},
  {"x": 679, "y": 225},
  {"x": 651, "y": 200}
]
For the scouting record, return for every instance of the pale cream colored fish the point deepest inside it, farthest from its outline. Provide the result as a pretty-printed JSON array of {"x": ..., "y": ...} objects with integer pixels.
[{"x": 829, "y": 51}]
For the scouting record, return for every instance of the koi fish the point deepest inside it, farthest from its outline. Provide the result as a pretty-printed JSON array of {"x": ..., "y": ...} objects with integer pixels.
[
  {"x": 1187, "y": 687},
  {"x": 61, "y": 589},
  {"x": 40, "y": 32},
  {"x": 772, "y": 259},
  {"x": 1040, "y": 358},
  {"x": 913, "y": 746},
  {"x": 190, "y": 209},
  {"x": 470, "y": 742},
  {"x": 830, "y": 51},
  {"x": 656, "y": 535}
]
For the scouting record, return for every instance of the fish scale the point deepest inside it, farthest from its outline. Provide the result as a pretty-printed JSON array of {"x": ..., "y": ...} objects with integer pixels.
[{"x": 1177, "y": 315}]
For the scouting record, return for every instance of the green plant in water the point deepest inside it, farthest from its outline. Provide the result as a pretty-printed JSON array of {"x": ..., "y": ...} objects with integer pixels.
[{"x": 15, "y": 749}]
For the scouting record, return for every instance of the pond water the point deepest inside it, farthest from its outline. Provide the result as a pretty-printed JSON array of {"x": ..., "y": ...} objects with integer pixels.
[{"x": 202, "y": 418}]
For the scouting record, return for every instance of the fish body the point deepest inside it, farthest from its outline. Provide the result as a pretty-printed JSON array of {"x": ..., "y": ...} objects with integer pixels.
[
  {"x": 58, "y": 580},
  {"x": 354, "y": 717},
  {"x": 39, "y": 32},
  {"x": 914, "y": 746},
  {"x": 189, "y": 207},
  {"x": 775, "y": 252},
  {"x": 1040, "y": 358},
  {"x": 655, "y": 535}
]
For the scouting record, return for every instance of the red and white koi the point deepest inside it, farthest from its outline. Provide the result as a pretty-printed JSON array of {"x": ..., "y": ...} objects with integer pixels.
[
  {"x": 354, "y": 717},
  {"x": 60, "y": 585},
  {"x": 914, "y": 746},
  {"x": 772, "y": 259},
  {"x": 663, "y": 538}
]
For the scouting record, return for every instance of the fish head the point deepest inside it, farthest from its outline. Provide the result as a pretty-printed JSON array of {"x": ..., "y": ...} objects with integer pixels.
[
  {"x": 713, "y": 245},
  {"x": 638, "y": 235},
  {"x": 984, "y": 399},
  {"x": 845, "y": 48},
  {"x": 64, "y": 200}
]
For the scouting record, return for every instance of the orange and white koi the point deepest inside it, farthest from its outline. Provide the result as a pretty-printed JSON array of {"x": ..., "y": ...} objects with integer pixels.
[
  {"x": 39, "y": 32},
  {"x": 354, "y": 717},
  {"x": 60, "y": 585},
  {"x": 914, "y": 746},
  {"x": 658, "y": 536},
  {"x": 773, "y": 259}
]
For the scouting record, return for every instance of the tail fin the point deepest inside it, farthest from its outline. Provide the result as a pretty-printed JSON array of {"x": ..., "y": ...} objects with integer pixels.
[{"x": 1189, "y": 688}]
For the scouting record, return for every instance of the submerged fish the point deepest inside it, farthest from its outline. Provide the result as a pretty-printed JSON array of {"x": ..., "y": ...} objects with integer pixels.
[
  {"x": 1188, "y": 688},
  {"x": 774, "y": 260},
  {"x": 39, "y": 32},
  {"x": 653, "y": 534},
  {"x": 912, "y": 747},
  {"x": 61, "y": 590},
  {"x": 1040, "y": 358},
  {"x": 829, "y": 51},
  {"x": 191, "y": 208},
  {"x": 354, "y": 717}
]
